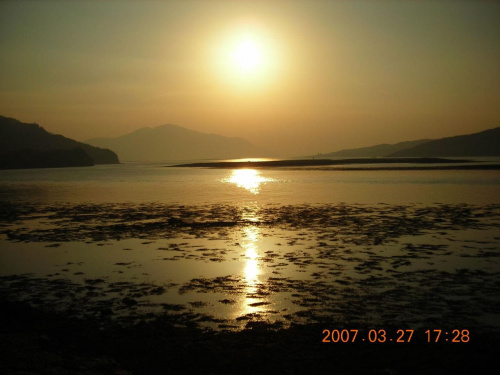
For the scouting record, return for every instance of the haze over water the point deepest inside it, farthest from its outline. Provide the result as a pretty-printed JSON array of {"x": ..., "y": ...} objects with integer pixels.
[
  {"x": 297, "y": 77},
  {"x": 140, "y": 268}
]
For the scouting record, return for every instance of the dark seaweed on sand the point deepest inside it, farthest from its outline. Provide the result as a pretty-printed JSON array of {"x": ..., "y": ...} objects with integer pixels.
[
  {"x": 103, "y": 222},
  {"x": 54, "y": 325}
]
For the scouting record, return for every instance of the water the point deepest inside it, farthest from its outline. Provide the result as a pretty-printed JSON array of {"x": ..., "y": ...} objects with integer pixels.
[
  {"x": 157, "y": 183},
  {"x": 240, "y": 246}
]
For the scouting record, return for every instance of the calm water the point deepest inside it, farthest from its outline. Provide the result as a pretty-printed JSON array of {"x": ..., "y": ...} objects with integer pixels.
[
  {"x": 156, "y": 183},
  {"x": 309, "y": 242}
]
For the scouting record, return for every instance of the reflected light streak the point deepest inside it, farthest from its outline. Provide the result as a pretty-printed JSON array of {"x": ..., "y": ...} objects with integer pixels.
[
  {"x": 249, "y": 179},
  {"x": 252, "y": 270}
]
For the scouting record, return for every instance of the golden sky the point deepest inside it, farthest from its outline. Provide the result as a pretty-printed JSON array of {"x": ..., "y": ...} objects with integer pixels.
[{"x": 298, "y": 77}]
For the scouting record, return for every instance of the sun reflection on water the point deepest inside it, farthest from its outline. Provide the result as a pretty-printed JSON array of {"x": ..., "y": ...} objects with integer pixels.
[
  {"x": 249, "y": 179},
  {"x": 252, "y": 270}
]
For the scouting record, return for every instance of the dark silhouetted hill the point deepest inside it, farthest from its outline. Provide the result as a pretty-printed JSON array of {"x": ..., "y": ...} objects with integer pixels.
[
  {"x": 75, "y": 157},
  {"x": 485, "y": 143},
  {"x": 171, "y": 142},
  {"x": 375, "y": 151},
  {"x": 23, "y": 140}
]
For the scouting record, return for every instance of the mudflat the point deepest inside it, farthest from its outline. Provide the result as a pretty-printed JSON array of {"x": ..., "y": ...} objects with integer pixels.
[{"x": 258, "y": 288}]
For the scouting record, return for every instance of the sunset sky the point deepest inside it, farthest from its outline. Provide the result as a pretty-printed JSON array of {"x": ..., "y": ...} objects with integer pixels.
[{"x": 299, "y": 77}]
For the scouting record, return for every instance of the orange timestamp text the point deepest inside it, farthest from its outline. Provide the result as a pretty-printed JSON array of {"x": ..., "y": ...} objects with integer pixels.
[{"x": 396, "y": 336}]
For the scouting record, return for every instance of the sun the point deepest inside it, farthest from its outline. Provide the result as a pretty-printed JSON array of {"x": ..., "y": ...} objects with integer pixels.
[
  {"x": 246, "y": 58},
  {"x": 247, "y": 54}
]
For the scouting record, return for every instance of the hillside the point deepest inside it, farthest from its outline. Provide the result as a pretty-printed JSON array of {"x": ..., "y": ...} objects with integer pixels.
[
  {"x": 45, "y": 159},
  {"x": 486, "y": 143},
  {"x": 21, "y": 139},
  {"x": 171, "y": 142},
  {"x": 375, "y": 151}
]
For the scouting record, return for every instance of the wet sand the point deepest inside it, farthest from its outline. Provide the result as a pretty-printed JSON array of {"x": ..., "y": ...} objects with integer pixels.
[{"x": 321, "y": 267}]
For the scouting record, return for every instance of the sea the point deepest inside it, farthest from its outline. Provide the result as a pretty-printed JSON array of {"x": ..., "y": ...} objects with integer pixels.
[
  {"x": 240, "y": 246},
  {"x": 136, "y": 182}
]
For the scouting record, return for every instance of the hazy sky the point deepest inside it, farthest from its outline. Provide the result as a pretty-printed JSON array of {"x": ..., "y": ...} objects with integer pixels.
[{"x": 299, "y": 77}]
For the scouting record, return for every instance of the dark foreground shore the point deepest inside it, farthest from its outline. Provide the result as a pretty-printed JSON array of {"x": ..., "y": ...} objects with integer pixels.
[
  {"x": 37, "y": 342},
  {"x": 420, "y": 164},
  {"x": 383, "y": 269}
]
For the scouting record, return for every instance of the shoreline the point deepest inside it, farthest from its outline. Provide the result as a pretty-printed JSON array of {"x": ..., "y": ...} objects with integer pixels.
[
  {"x": 340, "y": 267},
  {"x": 42, "y": 342},
  {"x": 430, "y": 164},
  {"x": 310, "y": 260}
]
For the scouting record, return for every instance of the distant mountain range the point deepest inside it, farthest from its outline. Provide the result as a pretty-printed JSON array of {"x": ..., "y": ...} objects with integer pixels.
[
  {"x": 171, "y": 142},
  {"x": 31, "y": 146},
  {"x": 485, "y": 143},
  {"x": 375, "y": 151}
]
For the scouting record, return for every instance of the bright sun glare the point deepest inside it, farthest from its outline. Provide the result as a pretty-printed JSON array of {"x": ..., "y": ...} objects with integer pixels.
[
  {"x": 247, "y": 54},
  {"x": 249, "y": 179},
  {"x": 247, "y": 58}
]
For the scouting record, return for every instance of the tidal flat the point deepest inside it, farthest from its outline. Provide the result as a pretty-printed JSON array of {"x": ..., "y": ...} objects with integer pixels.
[{"x": 246, "y": 287}]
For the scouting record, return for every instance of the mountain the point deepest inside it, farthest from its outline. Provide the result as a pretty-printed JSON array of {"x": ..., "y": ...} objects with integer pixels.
[
  {"x": 171, "y": 142},
  {"x": 485, "y": 143},
  {"x": 32, "y": 146},
  {"x": 375, "y": 151},
  {"x": 75, "y": 157}
]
